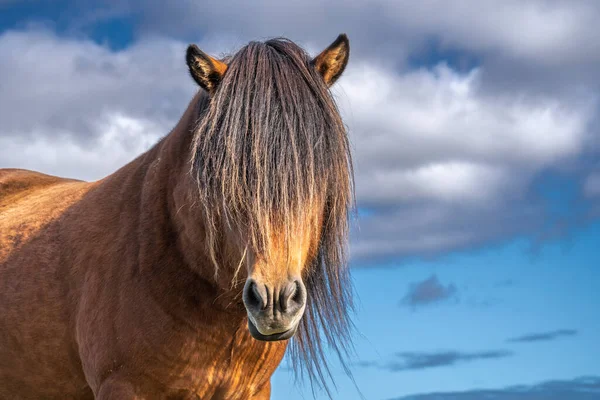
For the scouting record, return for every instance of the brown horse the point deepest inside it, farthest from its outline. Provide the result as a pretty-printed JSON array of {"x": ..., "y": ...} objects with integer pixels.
[{"x": 183, "y": 274}]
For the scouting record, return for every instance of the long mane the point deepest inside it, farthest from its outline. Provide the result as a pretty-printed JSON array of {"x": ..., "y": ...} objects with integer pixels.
[{"x": 268, "y": 146}]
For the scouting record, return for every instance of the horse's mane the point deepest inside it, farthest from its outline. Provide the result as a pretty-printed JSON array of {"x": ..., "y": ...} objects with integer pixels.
[{"x": 268, "y": 146}]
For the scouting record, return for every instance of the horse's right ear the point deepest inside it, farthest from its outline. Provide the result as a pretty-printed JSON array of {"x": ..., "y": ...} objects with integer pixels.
[
  {"x": 332, "y": 61},
  {"x": 206, "y": 71}
]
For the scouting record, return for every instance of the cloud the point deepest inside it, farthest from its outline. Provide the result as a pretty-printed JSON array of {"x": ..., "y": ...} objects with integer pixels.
[
  {"x": 118, "y": 140},
  {"x": 445, "y": 158},
  {"x": 365, "y": 364},
  {"x": 547, "y": 29},
  {"x": 388, "y": 32},
  {"x": 80, "y": 82},
  {"x": 429, "y": 291},
  {"x": 405, "y": 361},
  {"x": 543, "y": 336},
  {"x": 591, "y": 186},
  {"x": 85, "y": 110},
  {"x": 540, "y": 55},
  {"x": 585, "y": 388},
  {"x": 437, "y": 123},
  {"x": 413, "y": 361},
  {"x": 446, "y": 165}
]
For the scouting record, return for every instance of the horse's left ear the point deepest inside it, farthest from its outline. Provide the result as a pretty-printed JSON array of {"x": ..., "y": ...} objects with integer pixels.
[
  {"x": 206, "y": 71},
  {"x": 332, "y": 61}
]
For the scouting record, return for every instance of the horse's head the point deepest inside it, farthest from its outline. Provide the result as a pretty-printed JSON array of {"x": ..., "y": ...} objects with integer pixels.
[{"x": 274, "y": 172}]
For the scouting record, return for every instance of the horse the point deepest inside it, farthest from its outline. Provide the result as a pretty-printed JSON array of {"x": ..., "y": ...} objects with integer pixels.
[{"x": 185, "y": 273}]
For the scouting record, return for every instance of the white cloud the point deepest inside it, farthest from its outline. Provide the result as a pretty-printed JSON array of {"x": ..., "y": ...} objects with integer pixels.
[
  {"x": 432, "y": 134},
  {"x": 67, "y": 86},
  {"x": 446, "y": 164},
  {"x": 74, "y": 108},
  {"x": 453, "y": 181},
  {"x": 120, "y": 140}
]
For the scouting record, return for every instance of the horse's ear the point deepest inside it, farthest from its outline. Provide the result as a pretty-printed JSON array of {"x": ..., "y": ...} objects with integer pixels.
[
  {"x": 205, "y": 70},
  {"x": 332, "y": 61}
]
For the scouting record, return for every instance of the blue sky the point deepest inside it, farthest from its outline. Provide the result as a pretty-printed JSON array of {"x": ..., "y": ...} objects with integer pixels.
[
  {"x": 474, "y": 129},
  {"x": 519, "y": 315}
]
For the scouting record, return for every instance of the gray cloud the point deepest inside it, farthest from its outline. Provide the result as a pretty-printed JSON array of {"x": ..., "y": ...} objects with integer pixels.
[
  {"x": 85, "y": 111},
  {"x": 80, "y": 82},
  {"x": 547, "y": 29},
  {"x": 543, "y": 336},
  {"x": 405, "y": 361},
  {"x": 540, "y": 55},
  {"x": 392, "y": 33},
  {"x": 585, "y": 388},
  {"x": 412, "y": 361},
  {"x": 446, "y": 158},
  {"x": 428, "y": 291}
]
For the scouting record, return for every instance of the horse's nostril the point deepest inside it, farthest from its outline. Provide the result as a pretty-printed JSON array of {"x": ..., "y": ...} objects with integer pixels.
[
  {"x": 293, "y": 295},
  {"x": 254, "y": 297},
  {"x": 264, "y": 301},
  {"x": 299, "y": 293}
]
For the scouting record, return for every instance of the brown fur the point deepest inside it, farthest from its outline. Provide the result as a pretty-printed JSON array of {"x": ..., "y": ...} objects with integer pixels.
[{"x": 108, "y": 290}]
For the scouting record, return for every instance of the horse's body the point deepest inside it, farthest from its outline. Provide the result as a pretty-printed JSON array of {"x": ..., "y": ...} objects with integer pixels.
[
  {"x": 67, "y": 313},
  {"x": 107, "y": 291}
]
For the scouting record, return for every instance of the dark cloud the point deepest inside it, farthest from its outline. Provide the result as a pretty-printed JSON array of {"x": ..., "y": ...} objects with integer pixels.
[
  {"x": 586, "y": 388},
  {"x": 544, "y": 336},
  {"x": 413, "y": 361},
  {"x": 429, "y": 291},
  {"x": 405, "y": 361}
]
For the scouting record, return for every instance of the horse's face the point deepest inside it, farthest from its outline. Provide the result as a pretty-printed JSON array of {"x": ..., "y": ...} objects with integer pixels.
[
  {"x": 271, "y": 171},
  {"x": 274, "y": 294}
]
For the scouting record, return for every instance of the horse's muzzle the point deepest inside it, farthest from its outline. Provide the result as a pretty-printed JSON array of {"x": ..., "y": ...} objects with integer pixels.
[{"x": 274, "y": 311}]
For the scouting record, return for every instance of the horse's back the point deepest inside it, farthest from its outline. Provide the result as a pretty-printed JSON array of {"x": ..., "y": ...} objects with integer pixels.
[
  {"x": 18, "y": 182},
  {"x": 29, "y": 201}
]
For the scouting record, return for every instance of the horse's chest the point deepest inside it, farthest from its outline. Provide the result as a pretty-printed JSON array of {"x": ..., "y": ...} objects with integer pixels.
[{"x": 221, "y": 366}]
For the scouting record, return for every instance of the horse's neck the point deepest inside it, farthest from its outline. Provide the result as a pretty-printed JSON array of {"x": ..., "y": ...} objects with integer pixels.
[{"x": 173, "y": 219}]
